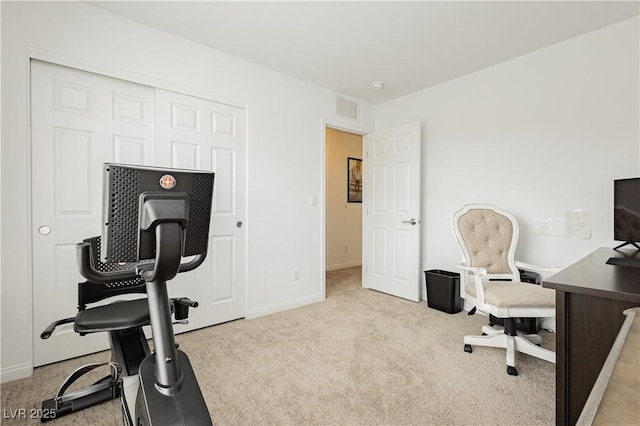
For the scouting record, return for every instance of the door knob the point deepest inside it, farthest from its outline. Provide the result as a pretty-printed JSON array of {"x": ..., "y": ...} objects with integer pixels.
[
  {"x": 239, "y": 224},
  {"x": 411, "y": 221}
]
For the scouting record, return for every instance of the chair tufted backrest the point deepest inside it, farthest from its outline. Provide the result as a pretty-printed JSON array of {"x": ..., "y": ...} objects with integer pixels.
[{"x": 487, "y": 236}]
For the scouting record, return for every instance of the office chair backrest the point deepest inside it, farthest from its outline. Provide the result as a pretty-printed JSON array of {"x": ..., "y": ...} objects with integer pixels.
[{"x": 488, "y": 238}]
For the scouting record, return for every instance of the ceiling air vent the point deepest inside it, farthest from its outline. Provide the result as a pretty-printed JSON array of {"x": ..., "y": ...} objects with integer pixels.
[{"x": 346, "y": 108}]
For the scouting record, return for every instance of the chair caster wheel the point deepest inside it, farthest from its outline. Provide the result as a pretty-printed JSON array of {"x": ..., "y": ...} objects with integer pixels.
[
  {"x": 484, "y": 334},
  {"x": 467, "y": 348},
  {"x": 512, "y": 371},
  {"x": 491, "y": 324}
]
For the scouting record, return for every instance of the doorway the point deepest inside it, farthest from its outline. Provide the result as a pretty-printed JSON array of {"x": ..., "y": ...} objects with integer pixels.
[
  {"x": 343, "y": 236},
  {"x": 389, "y": 222}
]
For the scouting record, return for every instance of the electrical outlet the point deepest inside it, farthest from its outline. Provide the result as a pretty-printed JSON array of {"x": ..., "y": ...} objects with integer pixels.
[{"x": 296, "y": 274}]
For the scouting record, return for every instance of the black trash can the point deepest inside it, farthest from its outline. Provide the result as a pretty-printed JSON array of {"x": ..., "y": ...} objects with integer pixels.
[{"x": 443, "y": 290}]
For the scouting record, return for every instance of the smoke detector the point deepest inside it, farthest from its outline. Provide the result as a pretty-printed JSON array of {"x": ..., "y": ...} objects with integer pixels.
[{"x": 377, "y": 85}]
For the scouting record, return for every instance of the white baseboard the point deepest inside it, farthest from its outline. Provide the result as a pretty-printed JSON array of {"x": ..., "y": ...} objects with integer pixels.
[
  {"x": 16, "y": 372},
  {"x": 343, "y": 265},
  {"x": 283, "y": 306}
]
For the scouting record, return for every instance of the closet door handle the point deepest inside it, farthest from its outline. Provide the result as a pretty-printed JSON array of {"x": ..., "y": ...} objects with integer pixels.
[{"x": 44, "y": 230}]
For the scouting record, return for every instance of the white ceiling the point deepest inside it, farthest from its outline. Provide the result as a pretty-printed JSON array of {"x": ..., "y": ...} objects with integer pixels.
[{"x": 344, "y": 46}]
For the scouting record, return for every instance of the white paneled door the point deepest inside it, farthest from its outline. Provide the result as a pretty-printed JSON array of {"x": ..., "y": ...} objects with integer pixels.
[
  {"x": 79, "y": 121},
  {"x": 391, "y": 211},
  {"x": 196, "y": 133}
]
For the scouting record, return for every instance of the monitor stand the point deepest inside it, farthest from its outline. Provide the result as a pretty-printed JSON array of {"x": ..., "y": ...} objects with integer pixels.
[
  {"x": 624, "y": 261},
  {"x": 628, "y": 258},
  {"x": 626, "y": 244}
]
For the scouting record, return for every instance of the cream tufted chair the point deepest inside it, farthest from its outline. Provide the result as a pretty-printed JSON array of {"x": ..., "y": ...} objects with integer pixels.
[{"x": 491, "y": 281}]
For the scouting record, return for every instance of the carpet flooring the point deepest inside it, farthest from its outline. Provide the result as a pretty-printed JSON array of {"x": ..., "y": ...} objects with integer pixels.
[{"x": 358, "y": 358}]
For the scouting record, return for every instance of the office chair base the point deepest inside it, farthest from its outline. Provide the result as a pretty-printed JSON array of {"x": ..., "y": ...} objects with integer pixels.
[
  {"x": 512, "y": 344},
  {"x": 489, "y": 330}
]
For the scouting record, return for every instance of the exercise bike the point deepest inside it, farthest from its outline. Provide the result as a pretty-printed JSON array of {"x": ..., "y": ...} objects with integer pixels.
[{"x": 152, "y": 218}]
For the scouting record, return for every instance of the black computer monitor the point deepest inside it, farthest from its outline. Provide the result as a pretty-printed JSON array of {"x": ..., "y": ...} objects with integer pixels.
[
  {"x": 125, "y": 188},
  {"x": 626, "y": 211}
]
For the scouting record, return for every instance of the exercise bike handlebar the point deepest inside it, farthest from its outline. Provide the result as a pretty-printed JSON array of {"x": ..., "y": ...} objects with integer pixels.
[{"x": 88, "y": 270}]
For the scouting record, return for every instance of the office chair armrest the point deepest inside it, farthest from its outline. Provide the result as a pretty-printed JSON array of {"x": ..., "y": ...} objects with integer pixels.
[
  {"x": 551, "y": 269},
  {"x": 473, "y": 269},
  {"x": 477, "y": 273}
]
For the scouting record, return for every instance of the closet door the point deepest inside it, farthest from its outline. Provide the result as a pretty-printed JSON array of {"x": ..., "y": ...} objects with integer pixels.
[
  {"x": 195, "y": 133},
  {"x": 79, "y": 121}
]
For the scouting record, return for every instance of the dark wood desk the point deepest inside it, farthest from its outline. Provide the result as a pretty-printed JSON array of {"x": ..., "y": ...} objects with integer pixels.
[{"x": 590, "y": 298}]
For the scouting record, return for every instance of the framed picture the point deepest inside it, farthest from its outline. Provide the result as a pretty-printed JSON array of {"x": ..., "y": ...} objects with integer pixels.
[{"x": 354, "y": 180}]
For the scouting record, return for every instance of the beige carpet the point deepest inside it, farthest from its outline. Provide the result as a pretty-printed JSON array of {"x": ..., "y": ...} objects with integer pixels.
[{"x": 360, "y": 357}]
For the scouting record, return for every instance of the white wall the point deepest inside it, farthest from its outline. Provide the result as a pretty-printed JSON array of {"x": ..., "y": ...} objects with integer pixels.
[
  {"x": 344, "y": 220},
  {"x": 286, "y": 119},
  {"x": 537, "y": 135}
]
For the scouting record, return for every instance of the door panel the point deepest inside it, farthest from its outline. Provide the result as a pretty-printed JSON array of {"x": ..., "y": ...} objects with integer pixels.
[
  {"x": 201, "y": 134},
  {"x": 79, "y": 120},
  {"x": 391, "y": 198},
  {"x": 128, "y": 150}
]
